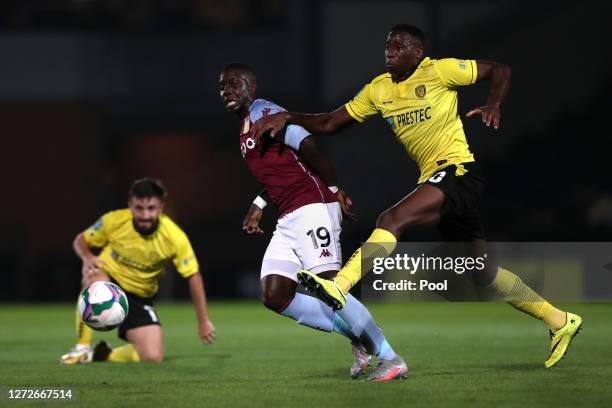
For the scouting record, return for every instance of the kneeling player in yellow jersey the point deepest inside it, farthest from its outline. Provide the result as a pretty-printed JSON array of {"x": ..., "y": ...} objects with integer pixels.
[
  {"x": 137, "y": 243},
  {"x": 418, "y": 98}
]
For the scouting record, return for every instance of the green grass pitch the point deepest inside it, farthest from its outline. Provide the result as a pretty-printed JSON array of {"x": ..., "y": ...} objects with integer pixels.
[{"x": 463, "y": 354}]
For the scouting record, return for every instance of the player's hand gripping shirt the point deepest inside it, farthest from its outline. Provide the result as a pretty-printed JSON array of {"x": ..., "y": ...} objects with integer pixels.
[
  {"x": 135, "y": 261},
  {"x": 422, "y": 111},
  {"x": 276, "y": 164}
]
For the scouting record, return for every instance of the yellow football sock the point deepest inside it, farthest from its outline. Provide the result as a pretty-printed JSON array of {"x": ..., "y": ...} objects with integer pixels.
[
  {"x": 124, "y": 354},
  {"x": 84, "y": 333},
  {"x": 513, "y": 290},
  {"x": 380, "y": 244}
]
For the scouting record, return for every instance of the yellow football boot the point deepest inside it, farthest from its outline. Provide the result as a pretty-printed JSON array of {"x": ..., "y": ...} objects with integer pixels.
[
  {"x": 80, "y": 354},
  {"x": 324, "y": 289},
  {"x": 561, "y": 339}
]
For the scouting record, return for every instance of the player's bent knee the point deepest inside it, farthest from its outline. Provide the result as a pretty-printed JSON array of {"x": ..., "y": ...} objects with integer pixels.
[
  {"x": 152, "y": 359},
  {"x": 156, "y": 358},
  {"x": 276, "y": 304},
  {"x": 389, "y": 221},
  {"x": 277, "y": 292},
  {"x": 275, "y": 301},
  {"x": 152, "y": 356}
]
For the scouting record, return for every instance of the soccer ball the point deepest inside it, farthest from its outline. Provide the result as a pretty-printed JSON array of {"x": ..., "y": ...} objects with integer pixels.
[{"x": 103, "y": 305}]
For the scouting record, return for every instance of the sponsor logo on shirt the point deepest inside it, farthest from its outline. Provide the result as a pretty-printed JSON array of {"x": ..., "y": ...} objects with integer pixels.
[
  {"x": 413, "y": 117},
  {"x": 137, "y": 265},
  {"x": 248, "y": 144}
]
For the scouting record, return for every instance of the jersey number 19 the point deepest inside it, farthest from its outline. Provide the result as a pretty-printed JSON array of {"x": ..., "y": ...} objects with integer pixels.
[{"x": 322, "y": 235}]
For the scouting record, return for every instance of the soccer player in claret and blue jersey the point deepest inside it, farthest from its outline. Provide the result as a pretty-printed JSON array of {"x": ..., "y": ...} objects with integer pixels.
[
  {"x": 300, "y": 181},
  {"x": 417, "y": 96}
]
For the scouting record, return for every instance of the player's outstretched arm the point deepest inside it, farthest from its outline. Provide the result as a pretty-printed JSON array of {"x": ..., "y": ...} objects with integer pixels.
[
  {"x": 91, "y": 263},
  {"x": 321, "y": 165},
  {"x": 250, "y": 224},
  {"x": 317, "y": 123},
  {"x": 499, "y": 75},
  {"x": 206, "y": 329}
]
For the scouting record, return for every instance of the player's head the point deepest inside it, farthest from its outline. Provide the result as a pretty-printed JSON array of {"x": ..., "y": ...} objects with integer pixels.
[
  {"x": 146, "y": 199},
  {"x": 404, "y": 48},
  {"x": 237, "y": 87}
]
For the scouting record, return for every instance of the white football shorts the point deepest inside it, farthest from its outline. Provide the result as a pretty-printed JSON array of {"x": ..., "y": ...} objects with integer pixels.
[{"x": 307, "y": 238}]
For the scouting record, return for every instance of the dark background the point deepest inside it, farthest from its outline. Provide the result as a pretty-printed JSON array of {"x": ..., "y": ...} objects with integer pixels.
[{"x": 96, "y": 93}]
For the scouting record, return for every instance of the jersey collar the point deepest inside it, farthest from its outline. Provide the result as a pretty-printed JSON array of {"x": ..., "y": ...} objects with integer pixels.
[{"x": 423, "y": 62}]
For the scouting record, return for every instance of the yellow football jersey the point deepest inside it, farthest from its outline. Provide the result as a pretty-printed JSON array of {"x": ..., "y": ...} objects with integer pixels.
[
  {"x": 422, "y": 111},
  {"x": 135, "y": 261}
]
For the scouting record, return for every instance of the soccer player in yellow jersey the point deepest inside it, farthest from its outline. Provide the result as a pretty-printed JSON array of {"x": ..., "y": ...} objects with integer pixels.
[
  {"x": 136, "y": 244},
  {"x": 418, "y": 98}
]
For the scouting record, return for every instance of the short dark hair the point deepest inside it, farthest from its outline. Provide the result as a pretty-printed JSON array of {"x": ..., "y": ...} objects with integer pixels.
[
  {"x": 414, "y": 31},
  {"x": 239, "y": 66},
  {"x": 147, "y": 187}
]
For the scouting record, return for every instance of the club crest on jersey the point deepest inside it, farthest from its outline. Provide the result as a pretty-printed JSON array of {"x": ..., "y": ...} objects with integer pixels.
[
  {"x": 325, "y": 253},
  {"x": 420, "y": 91}
]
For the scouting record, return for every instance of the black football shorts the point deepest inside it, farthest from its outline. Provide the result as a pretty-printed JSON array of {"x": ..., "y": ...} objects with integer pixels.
[
  {"x": 461, "y": 220},
  {"x": 141, "y": 313}
]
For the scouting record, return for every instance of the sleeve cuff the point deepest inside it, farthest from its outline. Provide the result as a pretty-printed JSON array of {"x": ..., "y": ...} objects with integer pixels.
[
  {"x": 353, "y": 114},
  {"x": 474, "y": 71},
  {"x": 89, "y": 239}
]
